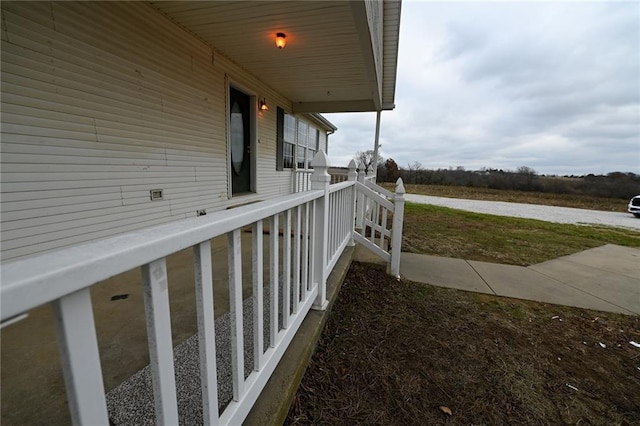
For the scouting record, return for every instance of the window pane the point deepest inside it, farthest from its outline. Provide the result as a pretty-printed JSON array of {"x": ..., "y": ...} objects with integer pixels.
[
  {"x": 288, "y": 156},
  {"x": 289, "y": 128},
  {"x": 301, "y": 157},
  {"x": 311, "y": 153},
  {"x": 302, "y": 133},
  {"x": 237, "y": 137},
  {"x": 313, "y": 137}
]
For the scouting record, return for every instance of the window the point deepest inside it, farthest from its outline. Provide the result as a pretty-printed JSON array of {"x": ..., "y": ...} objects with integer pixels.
[
  {"x": 289, "y": 140},
  {"x": 286, "y": 142},
  {"x": 297, "y": 142}
]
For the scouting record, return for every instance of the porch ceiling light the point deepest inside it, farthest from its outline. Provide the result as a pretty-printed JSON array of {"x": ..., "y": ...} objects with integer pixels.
[
  {"x": 262, "y": 105},
  {"x": 281, "y": 40}
]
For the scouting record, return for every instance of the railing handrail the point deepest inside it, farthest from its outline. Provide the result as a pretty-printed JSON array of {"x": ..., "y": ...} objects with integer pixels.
[
  {"x": 341, "y": 185},
  {"x": 379, "y": 189},
  {"x": 36, "y": 280},
  {"x": 376, "y": 196}
]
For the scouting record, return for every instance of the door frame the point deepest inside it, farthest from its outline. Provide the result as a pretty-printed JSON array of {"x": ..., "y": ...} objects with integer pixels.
[{"x": 253, "y": 133}]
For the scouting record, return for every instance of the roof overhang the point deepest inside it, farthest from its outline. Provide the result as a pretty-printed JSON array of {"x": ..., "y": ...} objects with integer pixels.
[
  {"x": 321, "y": 121},
  {"x": 341, "y": 56}
]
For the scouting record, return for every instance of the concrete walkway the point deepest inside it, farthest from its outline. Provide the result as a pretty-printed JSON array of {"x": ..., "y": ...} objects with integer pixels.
[{"x": 605, "y": 278}]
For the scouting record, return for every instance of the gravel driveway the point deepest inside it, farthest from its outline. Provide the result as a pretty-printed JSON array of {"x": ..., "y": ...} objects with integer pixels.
[{"x": 533, "y": 211}]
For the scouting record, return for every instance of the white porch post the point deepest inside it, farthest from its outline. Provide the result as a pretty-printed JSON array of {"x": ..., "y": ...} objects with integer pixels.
[
  {"x": 321, "y": 180},
  {"x": 376, "y": 145},
  {"x": 360, "y": 199},
  {"x": 352, "y": 176},
  {"x": 396, "y": 230}
]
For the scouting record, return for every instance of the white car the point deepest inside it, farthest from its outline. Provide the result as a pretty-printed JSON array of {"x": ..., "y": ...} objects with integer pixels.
[{"x": 634, "y": 206}]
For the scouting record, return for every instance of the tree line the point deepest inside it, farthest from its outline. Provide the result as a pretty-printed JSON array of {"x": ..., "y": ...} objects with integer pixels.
[{"x": 611, "y": 185}]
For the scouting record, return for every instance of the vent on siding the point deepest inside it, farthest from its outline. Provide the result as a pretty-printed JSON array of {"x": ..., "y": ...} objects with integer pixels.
[{"x": 156, "y": 194}]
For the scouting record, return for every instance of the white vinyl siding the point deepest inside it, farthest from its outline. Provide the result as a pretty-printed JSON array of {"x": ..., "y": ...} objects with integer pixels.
[{"x": 102, "y": 102}]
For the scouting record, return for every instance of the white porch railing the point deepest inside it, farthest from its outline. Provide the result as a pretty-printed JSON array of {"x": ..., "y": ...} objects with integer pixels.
[
  {"x": 374, "y": 207},
  {"x": 316, "y": 226},
  {"x": 301, "y": 180},
  {"x": 338, "y": 174}
]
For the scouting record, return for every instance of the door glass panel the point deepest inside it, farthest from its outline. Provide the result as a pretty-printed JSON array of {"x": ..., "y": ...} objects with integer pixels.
[{"x": 237, "y": 138}]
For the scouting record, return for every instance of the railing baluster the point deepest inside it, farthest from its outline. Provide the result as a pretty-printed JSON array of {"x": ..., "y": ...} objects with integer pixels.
[
  {"x": 336, "y": 220},
  {"x": 305, "y": 252},
  {"x": 206, "y": 331},
  {"x": 286, "y": 286},
  {"x": 274, "y": 279},
  {"x": 338, "y": 225},
  {"x": 80, "y": 359},
  {"x": 377, "y": 215},
  {"x": 372, "y": 222},
  {"x": 296, "y": 261},
  {"x": 312, "y": 244},
  {"x": 343, "y": 215},
  {"x": 383, "y": 225},
  {"x": 234, "y": 250},
  {"x": 258, "y": 327},
  {"x": 156, "y": 304}
]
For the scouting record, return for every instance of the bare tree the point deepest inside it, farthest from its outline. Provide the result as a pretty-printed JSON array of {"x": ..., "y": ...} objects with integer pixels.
[
  {"x": 366, "y": 158},
  {"x": 524, "y": 170},
  {"x": 528, "y": 175},
  {"x": 414, "y": 168}
]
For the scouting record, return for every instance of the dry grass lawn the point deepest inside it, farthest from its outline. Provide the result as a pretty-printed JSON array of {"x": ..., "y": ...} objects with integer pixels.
[
  {"x": 395, "y": 352},
  {"x": 403, "y": 353},
  {"x": 547, "y": 199}
]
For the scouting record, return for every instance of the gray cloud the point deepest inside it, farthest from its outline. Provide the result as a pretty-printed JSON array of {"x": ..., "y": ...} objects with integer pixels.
[{"x": 554, "y": 86}]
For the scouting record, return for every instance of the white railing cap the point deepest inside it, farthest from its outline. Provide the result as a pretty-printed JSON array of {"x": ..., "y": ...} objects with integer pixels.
[
  {"x": 399, "y": 186},
  {"x": 320, "y": 160}
]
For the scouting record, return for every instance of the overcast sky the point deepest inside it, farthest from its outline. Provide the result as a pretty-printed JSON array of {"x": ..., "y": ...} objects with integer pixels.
[{"x": 554, "y": 86}]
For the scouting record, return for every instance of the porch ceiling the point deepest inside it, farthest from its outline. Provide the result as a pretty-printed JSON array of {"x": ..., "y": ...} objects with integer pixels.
[{"x": 328, "y": 62}]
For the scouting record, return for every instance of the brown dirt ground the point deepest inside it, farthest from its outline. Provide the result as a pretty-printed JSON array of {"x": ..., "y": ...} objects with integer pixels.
[{"x": 394, "y": 352}]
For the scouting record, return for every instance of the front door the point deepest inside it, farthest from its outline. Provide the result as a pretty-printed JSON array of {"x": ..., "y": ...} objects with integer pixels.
[{"x": 240, "y": 141}]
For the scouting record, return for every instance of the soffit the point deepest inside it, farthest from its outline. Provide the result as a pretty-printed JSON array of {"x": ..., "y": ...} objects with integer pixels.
[{"x": 322, "y": 68}]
